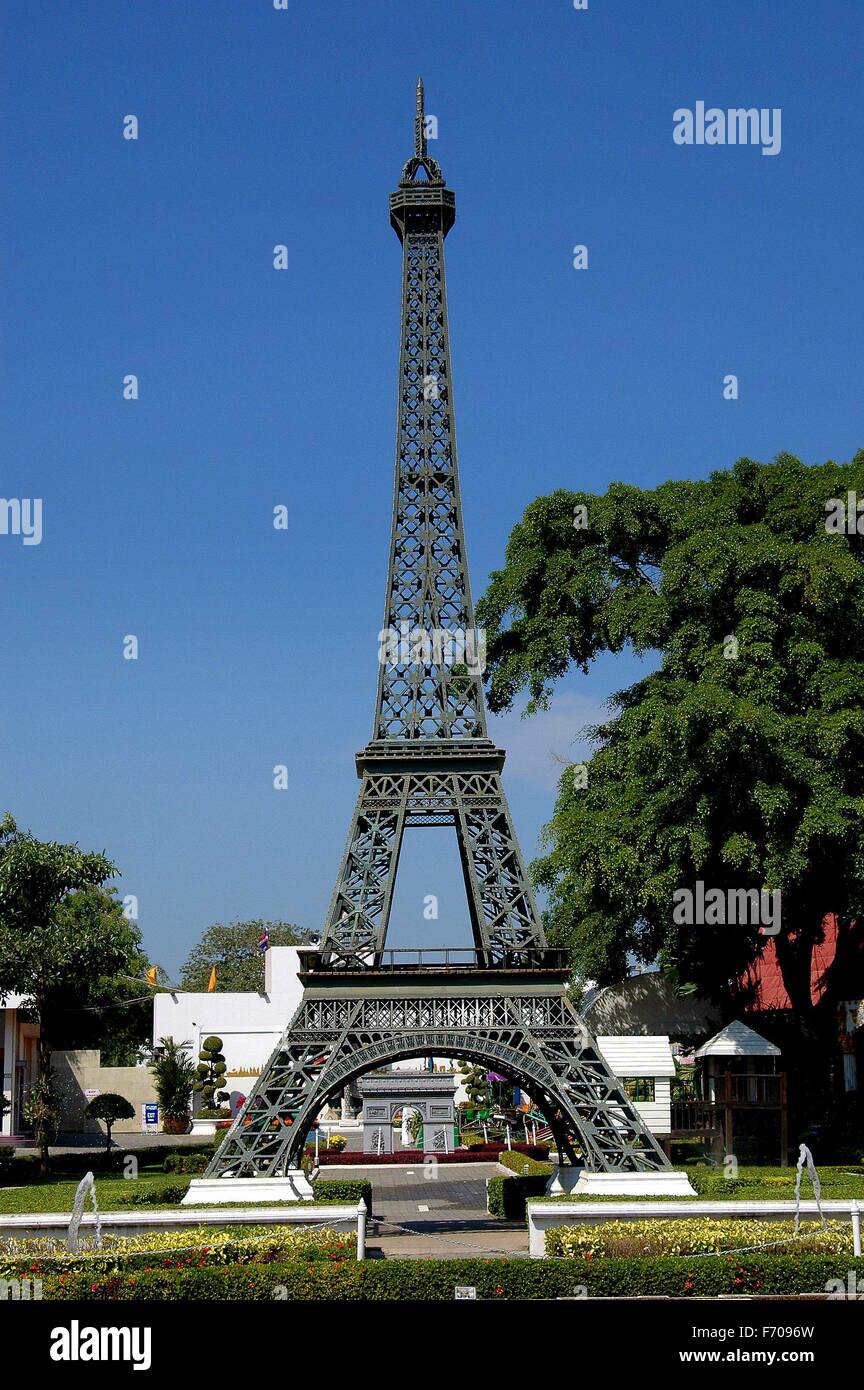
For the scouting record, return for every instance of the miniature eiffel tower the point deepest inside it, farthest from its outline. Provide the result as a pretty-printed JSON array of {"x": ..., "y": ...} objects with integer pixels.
[{"x": 431, "y": 762}]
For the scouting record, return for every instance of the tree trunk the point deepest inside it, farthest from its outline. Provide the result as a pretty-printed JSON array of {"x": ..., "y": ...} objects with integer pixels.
[{"x": 43, "y": 1071}]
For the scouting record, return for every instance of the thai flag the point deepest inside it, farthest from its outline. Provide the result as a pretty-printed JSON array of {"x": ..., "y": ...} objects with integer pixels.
[{"x": 264, "y": 940}]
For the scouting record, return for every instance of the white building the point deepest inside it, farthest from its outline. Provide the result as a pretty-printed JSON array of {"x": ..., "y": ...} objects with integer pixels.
[
  {"x": 645, "y": 1067},
  {"x": 17, "y": 1062},
  {"x": 250, "y": 1025}
]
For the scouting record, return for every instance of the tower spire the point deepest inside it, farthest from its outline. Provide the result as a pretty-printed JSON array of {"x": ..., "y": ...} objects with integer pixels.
[{"x": 420, "y": 150}]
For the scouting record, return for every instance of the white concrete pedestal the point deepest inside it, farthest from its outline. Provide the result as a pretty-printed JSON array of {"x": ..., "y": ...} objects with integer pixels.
[
  {"x": 578, "y": 1182},
  {"x": 293, "y": 1187}
]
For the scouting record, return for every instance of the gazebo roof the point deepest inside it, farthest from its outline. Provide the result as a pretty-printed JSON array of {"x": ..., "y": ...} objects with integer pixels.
[{"x": 737, "y": 1040}]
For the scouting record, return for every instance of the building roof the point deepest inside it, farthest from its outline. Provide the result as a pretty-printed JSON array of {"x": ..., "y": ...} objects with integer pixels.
[
  {"x": 628, "y": 1055},
  {"x": 647, "y": 1004},
  {"x": 737, "y": 1040}
]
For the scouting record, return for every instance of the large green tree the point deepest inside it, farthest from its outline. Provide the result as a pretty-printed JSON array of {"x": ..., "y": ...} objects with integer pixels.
[
  {"x": 47, "y": 948},
  {"x": 739, "y": 760},
  {"x": 112, "y": 1012},
  {"x": 233, "y": 949}
]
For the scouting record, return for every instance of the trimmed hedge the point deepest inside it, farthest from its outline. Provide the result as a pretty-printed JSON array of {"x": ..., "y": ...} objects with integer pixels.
[
  {"x": 164, "y": 1195},
  {"x": 507, "y": 1196},
  {"x": 419, "y": 1280},
  {"x": 343, "y": 1191},
  {"x": 490, "y": 1153},
  {"x": 525, "y": 1166},
  {"x": 187, "y": 1163}
]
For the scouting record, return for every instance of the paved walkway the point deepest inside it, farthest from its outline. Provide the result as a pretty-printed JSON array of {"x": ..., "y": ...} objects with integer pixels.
[{"x": 444, "y": 1217}]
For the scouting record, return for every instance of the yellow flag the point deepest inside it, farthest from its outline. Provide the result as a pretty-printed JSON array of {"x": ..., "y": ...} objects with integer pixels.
[
  {"x": 151, "y": 975},
  {"x": 211, "y": 983}
]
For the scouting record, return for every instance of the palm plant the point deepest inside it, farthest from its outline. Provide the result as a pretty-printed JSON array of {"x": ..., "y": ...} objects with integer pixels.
[{"x": 174, "y": 1076}]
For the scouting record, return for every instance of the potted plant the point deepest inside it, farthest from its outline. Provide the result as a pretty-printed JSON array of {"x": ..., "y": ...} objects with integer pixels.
[{"x": 174, "y": 1076}]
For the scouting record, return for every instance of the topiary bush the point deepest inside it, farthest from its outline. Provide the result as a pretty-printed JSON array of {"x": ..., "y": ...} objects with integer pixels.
[
  {"x": 109, "y": 1107},
  {"x": 210, "y": 1081}
]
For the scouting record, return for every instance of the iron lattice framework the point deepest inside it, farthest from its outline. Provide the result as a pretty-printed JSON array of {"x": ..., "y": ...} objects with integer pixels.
[{"x": 431, "y": 762}]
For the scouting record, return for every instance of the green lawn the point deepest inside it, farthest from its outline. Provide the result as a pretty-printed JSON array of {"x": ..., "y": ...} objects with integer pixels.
[
  {"x": 114, "y": 1193},
  {"x": 58, "y": 1194},
  {"x": 752, "y": 1185}
]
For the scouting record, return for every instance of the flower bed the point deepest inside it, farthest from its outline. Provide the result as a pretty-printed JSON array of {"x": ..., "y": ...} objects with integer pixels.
[
  {"x": 634, "y": 1239},
  {"x": 197, "y": 1248},
  {"x": 489, "y": 1153}
]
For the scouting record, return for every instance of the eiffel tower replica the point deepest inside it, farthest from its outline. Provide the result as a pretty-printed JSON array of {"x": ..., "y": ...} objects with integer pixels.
[{"x": 430, "y": 763}]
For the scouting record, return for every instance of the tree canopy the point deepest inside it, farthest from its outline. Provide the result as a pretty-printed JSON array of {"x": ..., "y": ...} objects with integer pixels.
[
  {"x": 61, "y": 935},
  {"x": 109, "y": 1011},
  {"x": 739, "y": 760},
  {"x": 233, "y": 949}
]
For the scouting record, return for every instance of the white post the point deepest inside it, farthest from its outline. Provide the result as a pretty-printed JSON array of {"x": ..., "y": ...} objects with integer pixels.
[
  {"x": 485, "y": 1133},
  {"x": 446, "y": 1149},
  {"x": 316, "y": 1146},
  {"x": 361, "y": 1230},
  {"x": 534, "y": 1130},
  {"x": 509, "y": 1145},
  {"x": 856, "y": 1228}
]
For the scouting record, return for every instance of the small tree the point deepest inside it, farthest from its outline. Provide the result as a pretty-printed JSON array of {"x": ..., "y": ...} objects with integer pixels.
[
  {"x": 41, "y": 1112},
  {"x": 211, "y": 1075},
  {"x": 174, "y": 1076},
  {"x": 109, "y": 1107}
]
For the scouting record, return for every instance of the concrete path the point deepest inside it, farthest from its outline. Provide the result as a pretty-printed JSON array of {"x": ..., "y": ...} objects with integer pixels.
[{"x": 445, "y": 1217}]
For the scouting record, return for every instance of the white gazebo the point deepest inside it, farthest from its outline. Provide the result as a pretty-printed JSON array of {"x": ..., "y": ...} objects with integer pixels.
[{"x": 742, "y": 1089}]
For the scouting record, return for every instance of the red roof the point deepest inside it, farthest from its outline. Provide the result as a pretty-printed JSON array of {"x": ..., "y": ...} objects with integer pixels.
[{"x": 763, "y": 985}]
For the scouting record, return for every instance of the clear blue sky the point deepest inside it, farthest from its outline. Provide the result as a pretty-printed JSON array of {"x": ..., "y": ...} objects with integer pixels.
[{"x": 260, "y": 387}]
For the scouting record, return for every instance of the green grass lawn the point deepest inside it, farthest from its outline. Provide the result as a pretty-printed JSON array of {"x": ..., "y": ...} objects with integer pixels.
[
  {"x": 751, "y": 1185},
  {"x": 115, "y": 1193},
  {"x": 58, "y": 1193}
]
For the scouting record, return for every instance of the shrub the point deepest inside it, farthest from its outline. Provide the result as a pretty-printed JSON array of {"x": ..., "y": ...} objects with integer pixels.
[
  {"x": 165, "y": 1195},
  {"x": 524, "y": 1165},
  {"x": 434, "y": 1280},
  {"x": 16, "y": 1169},
  {"x": 186, "y": 1163},
  {"x": 472, "y": 1141},
  {"x": 341, "y": 1191},
  {"x": 507, "y": 1196}
]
